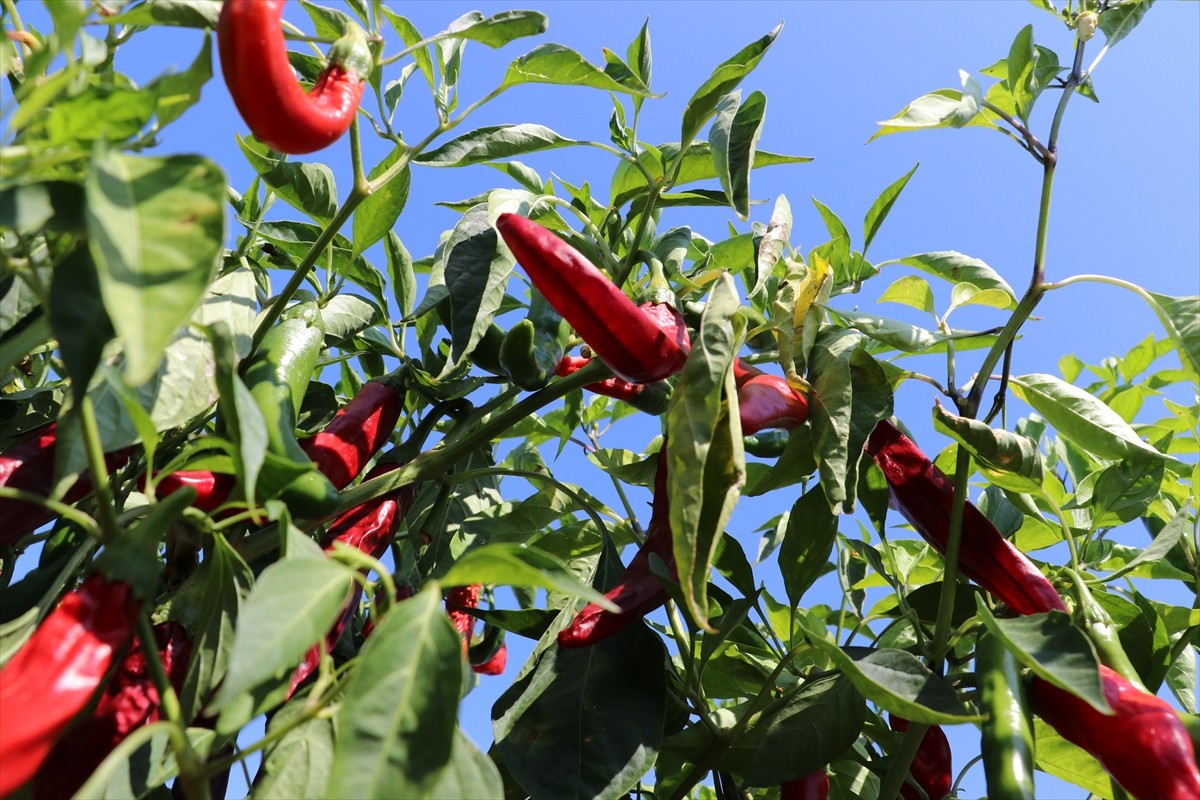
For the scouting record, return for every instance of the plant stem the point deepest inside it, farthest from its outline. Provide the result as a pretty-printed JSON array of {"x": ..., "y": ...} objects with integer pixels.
[
  {"x": 941, "y": 628},
  {"x": 106, "y": 511},
  {"x": 889, "y": 789}
]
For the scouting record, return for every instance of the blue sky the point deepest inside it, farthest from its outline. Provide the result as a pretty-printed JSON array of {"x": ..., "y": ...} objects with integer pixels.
[{"x": 1126, "y": 195}]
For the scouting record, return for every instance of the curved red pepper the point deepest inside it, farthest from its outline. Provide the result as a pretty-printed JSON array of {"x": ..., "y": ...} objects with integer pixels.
[
  {"x": 129, "y": 701},
  {"x": 356, "y": 433},
  {"x": 30, "y": 467},
  {"x": 810, "y": 787},
  {"x": 923, "y": 494},
  {"x": 766, "y": 401},
  {"x": 494, "y": 665},
  {"x": 277, "y": 110},
  {"x": 54, "y": 674},
  {"x": 639, "y": 344},
  {"x": 370, "y": 528},
  {"x": 639, "y": 591},
  {"x": 931, "y": 767},
  {"x": 653, "y": 398},
  {"x": 1143, "y": 744},
  {"x": 212, "y": 488}
]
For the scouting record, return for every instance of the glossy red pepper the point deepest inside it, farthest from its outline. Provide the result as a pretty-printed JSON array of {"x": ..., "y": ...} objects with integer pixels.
[
  {"x": 129, "y": 701},
  {"x": 923, "y": 494},
  {"x": 54, "y": 674},
  {"x": 457, "y": 600},
  {"x": 30, "y": 467},
  {"x": 639, "y": 591},
  {"x": 370, "y": 528},
  {"x": 810, "y": 787},
  {"x": 653, "y": 398},
  {"x": 931, "y": 767},
  {"x": 766, "y": 401},
  {"x": 639, "y": 344},
  {"x": 357, "y": 432},
  {"x": 212, "y": 488},
  {"x": 277, "y": 110},
  {"x": 494, "y": 665},
  {"x": 1143, "y": 745}
]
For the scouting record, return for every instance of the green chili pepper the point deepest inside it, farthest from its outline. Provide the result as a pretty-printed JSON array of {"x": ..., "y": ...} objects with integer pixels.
[
  {"x": 1102, "y": 631},
  {"x": 532, "y": 348},
  {"x": 1007, "y": 740},
  {"x": 768, "y": 444},
  {"x": 277, "y": 377}
]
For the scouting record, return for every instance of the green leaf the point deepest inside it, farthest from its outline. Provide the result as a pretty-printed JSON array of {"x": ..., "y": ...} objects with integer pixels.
[
  {"x": 944, "y": 108},
  {"x": 1181, "y": 317},
  {"x": 502, "y": 28},
  {"x": 142, "y": 762},
  {"x": 309, "y": 188},
  {"x": 891, "y": 332},
  {"x": 1069, "y": 762},
  {"x": 704, "y": 451},
  {"x": 155, "y": 229},
  {"x": 554, "y": 63},
  {"x": 734, "y": 138},
  {"x": 912, "y": 291},
  {"x": 587, "y": 722},
  {"x": 1020, "y": 79},
  {"x": 78, "y": 318},
  {"x": 492, "y": 143},
  {"x": 999, "y": 449},
  {"x": 1119, "y": 493},
  {"x": 773, "y": 243},
  {"x": 470, "y": 773},
  {"x": 723, "y": 80},
  {"x": 1082, "y": 418},
  {"x": 292, "y": 605},
  {"x": 179, "y": 91},
  {"x": 958, "y": 268},
  {"x": 377, "y": 214},
  {"x": 1056, "y": 651},
  {"x": 396, "y": 725},
  {"x": 1119, "y": 19},
  {"x": 808, "y": 541},
  {"x": 515, "y": 565},
  {"x": 296, "y": 766},
  {"x": 181, "y": 13},
  {"x": 1171, "y": 534},
  {"x": 882, "y": 206}
]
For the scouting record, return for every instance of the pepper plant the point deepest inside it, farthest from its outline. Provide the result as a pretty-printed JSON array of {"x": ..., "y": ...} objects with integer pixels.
[{"x": 278, "y": 494}]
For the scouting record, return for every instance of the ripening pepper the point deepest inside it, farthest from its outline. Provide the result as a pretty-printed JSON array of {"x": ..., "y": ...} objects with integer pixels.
[
  {"x": 370, "y": 528},
  {"x": 277, "y": 110},
  {"x": 358, "y": 431},
  {"x": 1007, "y": 729},
  {"x": 931, "y": 767},
  {"x": 129, "y": 701},
  {"x": 29, "y": 466},
  {"x": 923, "y": 494},
  {"x": 653, "y": 398},
  {"x": 766, "y": 401},
  {"x": 810, "y": 787},
  {"x": 639, "y": 591},
  {"x": 54, "y": 674},
  {"x": 639, "y": 344},
  {"x": 1143, "y": 745}
]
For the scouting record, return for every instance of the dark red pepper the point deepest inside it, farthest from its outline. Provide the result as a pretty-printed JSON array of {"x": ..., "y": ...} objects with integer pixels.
[
  {"x": 370, "y": 528},
  {"x": 357, "y": 432},
  {"x": 54, "y": 674},
  {"x": 653, "y": 398},
  {"x": 931, "y": 767},
  {"x": 639, "y": 591},
  {"x": 494, "y": 665},
  {"x": 30, "y": 467},
  {"x": 766, "y": 401},
  {"x": 639, "y": 344},
  {"x": 458, "y": 600},
  {"x": 129, "y": 701},
  {"x": 1143, "y": 745},
  {"x": 923, "y": 494},
  {"x": 810, "y": 787},
  {"x": 277, "y": 110}
]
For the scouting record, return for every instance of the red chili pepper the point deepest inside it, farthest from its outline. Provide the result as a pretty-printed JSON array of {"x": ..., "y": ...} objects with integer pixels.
[
  {"x": 458, "y": 599},
  {"x": 639, "y": 344},
  {"x": 653, "y": 398},
  {"x": 129, "y": 701},
  {"x": 923, "y": 494},
  {"x": 30, "y": 467},
  {"x": 931, "y": 767},
  {"x": 494, "y": 665},
  {"x": 639, "y": 591},
  {"x": 810, "y": 787},
  {"x": 360, "y": 428},
  {"x": 54, "y": 674},
  {"x": 370, "y": 528},
  {"x": 1143, "y": 744},
  {"x": 278, "y": 112},
  {"x": 212, "y": 488},
  {"x": 766, "y": 401}
]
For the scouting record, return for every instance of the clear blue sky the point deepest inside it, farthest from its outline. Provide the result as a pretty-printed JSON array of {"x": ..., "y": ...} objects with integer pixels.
[{"x": 1126, "y": 198}]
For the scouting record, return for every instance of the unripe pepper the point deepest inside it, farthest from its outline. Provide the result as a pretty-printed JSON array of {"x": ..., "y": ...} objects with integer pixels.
[
  {"x": 54, "y": 674},
  {"x": 1142, "y": 745},
  {"x": 931, "y": 767},
  {"x": 1007, "y": 730},
  {"x": 923, "y": 494},
  {"x": 638, "y": 592},
  {"x": 766, "y": 445},
  {"x": 639, "y": 344},
  {"x": 278, "y": 112},
  {"x": 1102, "y": 632},
  {"x": 810, "y": 787},
  {"x": 767, "y": 401},
  {"x": 129, "y": 701},
  {"x": 533, "y": 347},
  {"x": 358, "y": 431},
  {"x": 29, "y": 466},
  {"x": 653, "y": 398}
]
